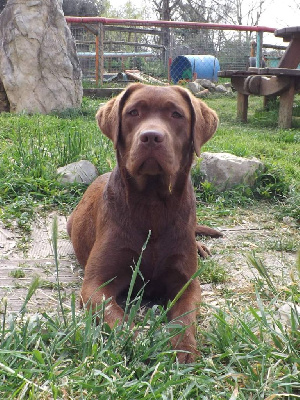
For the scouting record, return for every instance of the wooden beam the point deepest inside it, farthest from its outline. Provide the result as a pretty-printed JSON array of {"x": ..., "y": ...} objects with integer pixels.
[
  {"x": 238, "y": 84},
  {"x": 242, "y": 107},
  {"x": 286, "y": 108},
  {"x": 267, "y": 85}
]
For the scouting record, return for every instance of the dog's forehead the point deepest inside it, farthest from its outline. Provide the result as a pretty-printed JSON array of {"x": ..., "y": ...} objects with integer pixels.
[{"x": 158, "y": 96}]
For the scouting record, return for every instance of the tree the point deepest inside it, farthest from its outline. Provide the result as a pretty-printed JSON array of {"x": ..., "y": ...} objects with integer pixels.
[
  {"x": 166, "y": 9},
  {"x": 235, "y": 12},
  {"x": 83, "y": 8},
  {"x": 2, "y": 4},
  {"x": 230, "y": 45},
  {"x": 128, "y": 10}
]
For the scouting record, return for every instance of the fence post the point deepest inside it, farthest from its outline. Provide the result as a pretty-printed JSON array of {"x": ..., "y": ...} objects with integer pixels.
[
  {"x": 259, "y": 43},
  {"x": 100, "y": 54}
]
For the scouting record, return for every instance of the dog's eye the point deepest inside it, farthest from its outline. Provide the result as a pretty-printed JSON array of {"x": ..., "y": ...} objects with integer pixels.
[
  {"x": 176, "y": 114},
  {"x": 134, "y": 113}
]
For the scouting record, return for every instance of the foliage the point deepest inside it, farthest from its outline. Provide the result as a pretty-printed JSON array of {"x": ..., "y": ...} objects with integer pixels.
[
  {"x": 83, "y": 8},
  {"x": 2, "y": 4}
]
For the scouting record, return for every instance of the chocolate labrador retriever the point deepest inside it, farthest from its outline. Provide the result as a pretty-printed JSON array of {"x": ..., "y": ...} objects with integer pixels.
[{"x": 155, "y": 132}]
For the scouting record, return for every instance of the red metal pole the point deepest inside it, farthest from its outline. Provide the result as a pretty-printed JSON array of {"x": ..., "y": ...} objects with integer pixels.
[{"x": 171, "y": 24}]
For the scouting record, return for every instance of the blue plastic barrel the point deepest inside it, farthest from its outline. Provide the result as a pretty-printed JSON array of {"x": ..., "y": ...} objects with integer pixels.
[{"x": 184, "y": 67}]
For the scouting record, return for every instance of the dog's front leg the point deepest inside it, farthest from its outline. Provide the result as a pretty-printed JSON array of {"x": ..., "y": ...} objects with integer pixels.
[
  {"x": 96, "y": 294},
  {"x": 184, "y": 312},
  {"x": 105, "y": 278}
]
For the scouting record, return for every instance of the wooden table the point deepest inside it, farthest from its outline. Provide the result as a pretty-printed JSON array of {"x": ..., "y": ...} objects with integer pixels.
[{"x": 283, "y": 81}]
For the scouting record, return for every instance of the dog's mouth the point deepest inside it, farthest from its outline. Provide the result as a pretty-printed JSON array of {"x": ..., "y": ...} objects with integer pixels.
[{"x": 150, "y": 167}]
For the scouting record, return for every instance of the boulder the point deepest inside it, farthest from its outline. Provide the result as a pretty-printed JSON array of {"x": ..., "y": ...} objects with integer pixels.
[
  {"x": 194, "y": 87},
  {"x": 206, "y": 84},
  {"x": 221, "y": 89},
  {"x": 39, "y": 67},
  {"x": 226, "y": 170},
  {"x": 82, "y": 171},
  {"x": 4, "y": 103},
  {"x": 202, "y": 94},
  {"x": 286, "y": 313}
]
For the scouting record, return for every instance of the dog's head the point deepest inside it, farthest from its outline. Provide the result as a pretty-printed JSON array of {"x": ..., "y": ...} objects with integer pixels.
[{"x": 156, "y": 129}]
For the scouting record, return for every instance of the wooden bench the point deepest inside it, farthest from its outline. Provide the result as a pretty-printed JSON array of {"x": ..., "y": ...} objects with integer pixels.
[
  {"x": 267, "y": 82},
  {"x": 283, "y": 81}
]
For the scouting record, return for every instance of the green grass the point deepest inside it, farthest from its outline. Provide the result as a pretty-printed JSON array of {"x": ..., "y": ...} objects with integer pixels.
[
  {"x": 18, "y": 273},
  {"x": 31, "y": 150},
  {"x": 33, "y": 147},
  {"x": 247, "y": 352}
]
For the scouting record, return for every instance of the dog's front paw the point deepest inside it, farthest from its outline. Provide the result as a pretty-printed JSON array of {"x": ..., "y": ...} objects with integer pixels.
[
  {"x": 187, "y": 354},
  {"x": 186, "y": 349},
  {"x": 203, "y": 250}
]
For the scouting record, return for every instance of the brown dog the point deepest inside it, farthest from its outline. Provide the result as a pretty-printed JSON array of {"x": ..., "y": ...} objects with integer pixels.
[{"x": 155, "y": 131}]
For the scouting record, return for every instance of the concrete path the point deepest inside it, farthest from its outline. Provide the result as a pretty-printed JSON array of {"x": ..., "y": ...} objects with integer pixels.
[{"x": 18, "y": 267}]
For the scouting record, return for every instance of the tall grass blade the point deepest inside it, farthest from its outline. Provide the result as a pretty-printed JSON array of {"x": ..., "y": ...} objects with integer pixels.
[
  {"x": 134, "y": 277},
  {"x": 10, "y": 371},
  {"x": 31, "y": 290},
  {"x": 262, "y": 270},
  {"x": 4, "y": 319},
  {"x": 298, "y": 264},
  {"x": 183, "y": 289}
]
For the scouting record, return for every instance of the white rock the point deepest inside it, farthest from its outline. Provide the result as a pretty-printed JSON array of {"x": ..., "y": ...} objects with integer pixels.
[
  {"x": 221, "y": 89},
  {"x": 285, "y": 312},
  {"x": 82, "y": 171},
  {"x": 39, "y": 67},
  {"x": 194, "y": 87},
  {"x": 206, "y": 83},
  {"x": 225, "y": 170}
]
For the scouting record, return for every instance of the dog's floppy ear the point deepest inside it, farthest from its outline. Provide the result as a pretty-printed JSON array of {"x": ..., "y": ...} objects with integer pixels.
[
  {"x": 109, "y": 115},
  {"x": 205, "y": 123},
  {"x": 108, "y": 118}
]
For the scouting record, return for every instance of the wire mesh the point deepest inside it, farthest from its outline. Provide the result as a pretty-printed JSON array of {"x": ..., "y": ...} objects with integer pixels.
[{"x": 156, "y": 52}]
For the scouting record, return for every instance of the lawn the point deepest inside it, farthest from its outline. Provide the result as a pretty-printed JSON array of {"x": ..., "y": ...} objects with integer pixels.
[{"x": 249, "y": 350}]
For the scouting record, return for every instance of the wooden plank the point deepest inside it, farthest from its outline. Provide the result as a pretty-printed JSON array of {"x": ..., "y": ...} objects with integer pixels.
[
  {"x": 261, "y": 71},
  {"x": 141, "y": 77},
  {"x": 288, "y": 33},
  {"x": 231, "y": 73},
  {"x": 275, "y": 71}
]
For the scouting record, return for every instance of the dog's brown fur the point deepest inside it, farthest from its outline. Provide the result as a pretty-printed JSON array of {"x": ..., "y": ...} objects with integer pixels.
[{"x": 155, "y": 131}]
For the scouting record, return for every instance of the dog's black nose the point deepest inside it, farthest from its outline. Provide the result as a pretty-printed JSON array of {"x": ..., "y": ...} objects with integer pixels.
[{"x": 151, "y": 137}]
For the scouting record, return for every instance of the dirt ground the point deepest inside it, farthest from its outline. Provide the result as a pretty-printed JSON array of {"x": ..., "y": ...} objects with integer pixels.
[{"x": 275, "y": 243}]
